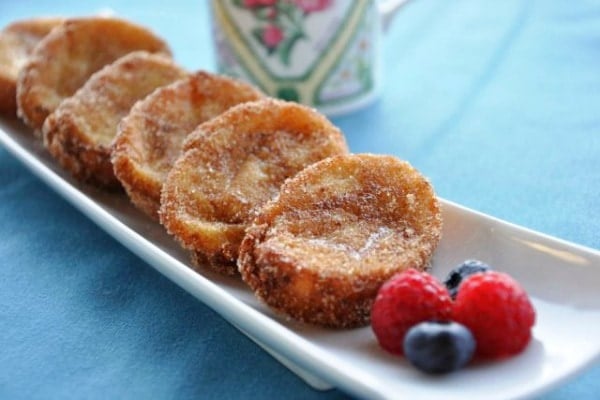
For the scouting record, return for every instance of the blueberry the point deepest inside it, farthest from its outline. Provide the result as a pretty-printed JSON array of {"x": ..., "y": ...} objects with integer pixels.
[
  {"x": 458, "y": 274},
  {"x": 439, "y": 347}
]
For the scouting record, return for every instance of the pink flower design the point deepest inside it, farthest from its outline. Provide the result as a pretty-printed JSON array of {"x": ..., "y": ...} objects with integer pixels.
[
  {"x": 272, "y": 36},
  {"x": 313, "y": 5},
  {"x": 280, "y": 24},
  {"x": 259, "y": 3}
]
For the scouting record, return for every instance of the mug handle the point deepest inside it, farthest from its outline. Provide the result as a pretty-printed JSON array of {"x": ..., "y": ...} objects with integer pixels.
[{"x": 388, "y": 9}]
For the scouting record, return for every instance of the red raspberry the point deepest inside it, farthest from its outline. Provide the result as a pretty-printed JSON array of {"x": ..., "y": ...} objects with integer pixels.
[
  {"x": 405, "y": 300},
  {"x": 498, "y": 312}
]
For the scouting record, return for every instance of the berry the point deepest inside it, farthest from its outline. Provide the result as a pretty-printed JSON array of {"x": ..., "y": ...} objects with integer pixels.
[
  {"x": 438, "y": 348},
  {"x": 498, "y": 312},
  {"x": 404, "y": 300},
  {"x": 461, "y": 272}
]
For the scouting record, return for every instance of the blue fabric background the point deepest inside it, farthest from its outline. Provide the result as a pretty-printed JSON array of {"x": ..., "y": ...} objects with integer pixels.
[{"x": 498, "y": 103}]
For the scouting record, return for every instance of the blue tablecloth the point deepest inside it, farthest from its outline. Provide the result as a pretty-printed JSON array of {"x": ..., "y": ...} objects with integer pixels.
[{"x": 498, "y": 103}]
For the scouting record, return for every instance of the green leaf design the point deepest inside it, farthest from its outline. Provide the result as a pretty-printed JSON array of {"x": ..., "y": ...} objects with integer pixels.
[
  {"x": 286, "y": 8},
  {"x": 258, "y": 35},
  {"x": 285, "y": 48},
  {"x": 290, "y": 15},
  {"x": 239, "y": 3},
  {"x": 263, "y": 13}
]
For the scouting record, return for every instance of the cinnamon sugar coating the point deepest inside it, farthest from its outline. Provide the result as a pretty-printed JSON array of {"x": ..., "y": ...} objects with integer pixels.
[
  {"x": 320, "y": 250},
  {"x": 150, "y": 138},
  {"x": 232, "y": 165},
  {"x": 63, "y": 61},
  {"x": 79, "y": 133}
]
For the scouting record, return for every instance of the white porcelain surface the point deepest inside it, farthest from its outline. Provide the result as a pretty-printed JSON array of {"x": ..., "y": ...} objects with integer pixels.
[{"x": 562, "y": 278}]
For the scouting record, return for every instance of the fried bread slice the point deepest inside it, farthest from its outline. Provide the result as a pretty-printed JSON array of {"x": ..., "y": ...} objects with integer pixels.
[
  {"x": 337, "y": 230},
  {"x": 79, "y": 133},
  {"x": 64, "y": 60},
  {"x": 150, "y": 138},
  {"x": 17, "y": 41},
  {"x": 232, "y": 165}
]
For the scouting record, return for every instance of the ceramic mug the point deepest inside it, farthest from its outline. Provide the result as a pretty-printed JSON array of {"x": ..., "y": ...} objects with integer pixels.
[{"x": 322, "y": 53}]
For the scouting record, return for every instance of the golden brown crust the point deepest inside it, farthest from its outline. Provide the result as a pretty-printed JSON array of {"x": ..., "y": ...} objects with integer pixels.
[
  {"x": 64, "y": 59},
  {"x": 150, "y": 138},
  {"x": 80, "y": 131},
  {"x": 232, "y": 165},
  {"x": 320, "y": 250},
  {"x": 17, "y": 41}
]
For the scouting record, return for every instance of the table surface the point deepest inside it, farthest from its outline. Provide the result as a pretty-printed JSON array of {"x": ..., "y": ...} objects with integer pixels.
[{"x": 496, "y": 102}]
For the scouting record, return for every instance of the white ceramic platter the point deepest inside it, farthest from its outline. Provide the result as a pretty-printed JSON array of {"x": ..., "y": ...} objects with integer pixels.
[{"x": 563, "y": 280}]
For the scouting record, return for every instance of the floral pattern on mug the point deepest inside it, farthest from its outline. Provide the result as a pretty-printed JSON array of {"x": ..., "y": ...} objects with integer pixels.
[{"x": 280, "y": 23}]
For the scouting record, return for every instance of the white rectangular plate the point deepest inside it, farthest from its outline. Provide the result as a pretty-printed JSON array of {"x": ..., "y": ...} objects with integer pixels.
[{"x": 563, "y": 280}]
